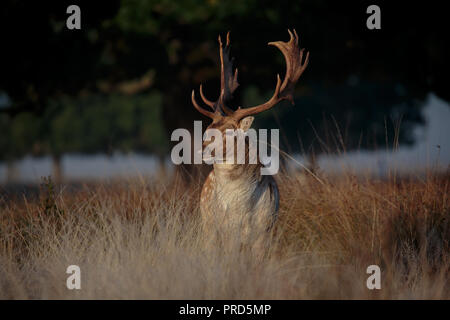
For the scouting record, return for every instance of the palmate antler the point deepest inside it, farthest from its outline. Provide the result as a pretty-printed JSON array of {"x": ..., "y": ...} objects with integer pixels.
[
  {"x": 283, "y": 90},
  {"x": 228, "y": 84}
]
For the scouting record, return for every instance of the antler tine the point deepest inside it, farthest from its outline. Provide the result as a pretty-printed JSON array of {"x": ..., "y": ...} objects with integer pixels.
[
  {"x": 291, "y": 36},
  {"x": 296, "y": 35},
  {"x": 221, "y": 103},
  {"x": 242, "y": 113},
  {"x": 228, "y": 84},
  {"x": 205, "y": 100},
  {"x": 294, "y": 69},
  {"x": 228, "y": 78},
  {"x": 200, "y": 109}
]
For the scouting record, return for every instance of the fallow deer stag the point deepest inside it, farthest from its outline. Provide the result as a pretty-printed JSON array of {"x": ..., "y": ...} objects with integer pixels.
[{"x": 237, "y": 194}]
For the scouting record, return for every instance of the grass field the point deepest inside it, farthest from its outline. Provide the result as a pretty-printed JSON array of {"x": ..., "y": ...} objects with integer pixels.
[{"x": 141, "y": 239}]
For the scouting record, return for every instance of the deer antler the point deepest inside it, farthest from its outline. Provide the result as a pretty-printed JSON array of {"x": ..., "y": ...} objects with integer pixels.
[
  {"x": 228, "y": 83},
  {"x": 228, "y": 79},
  {"x": 200, "y": 109},
  {"x": 294, "y": 69}
]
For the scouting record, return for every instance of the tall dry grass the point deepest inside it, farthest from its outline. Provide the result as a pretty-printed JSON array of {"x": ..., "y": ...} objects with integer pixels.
[{"x": 142, "y": 239}]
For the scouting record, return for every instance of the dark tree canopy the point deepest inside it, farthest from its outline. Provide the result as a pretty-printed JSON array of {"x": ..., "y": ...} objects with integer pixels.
[{"x": 361, "y": 81}]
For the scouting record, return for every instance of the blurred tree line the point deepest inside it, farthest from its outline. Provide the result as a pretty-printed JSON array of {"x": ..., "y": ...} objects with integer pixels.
[
  {"x": 89, "y": 124},
  {"x": 123, "y": 81}
]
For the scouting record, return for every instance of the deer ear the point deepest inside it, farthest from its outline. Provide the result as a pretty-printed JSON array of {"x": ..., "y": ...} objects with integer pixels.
[{"x": 246, "y": 123}]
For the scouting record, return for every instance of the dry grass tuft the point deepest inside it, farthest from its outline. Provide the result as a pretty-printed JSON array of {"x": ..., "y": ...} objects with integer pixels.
[{"x": 141, "y": 239}]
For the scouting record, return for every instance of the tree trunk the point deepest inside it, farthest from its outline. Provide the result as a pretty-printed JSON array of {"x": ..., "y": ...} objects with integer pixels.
[
  {"x": 57, "y": 171},
  {"x": 312, "y": 162},
  {"x": 162, "y": 172},
  {"x": 12, "y": 173},
  {"x": 172, "y": 120}
]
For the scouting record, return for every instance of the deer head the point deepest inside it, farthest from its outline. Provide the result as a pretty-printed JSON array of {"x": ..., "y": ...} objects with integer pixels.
[{"x": 223, "y": 117}]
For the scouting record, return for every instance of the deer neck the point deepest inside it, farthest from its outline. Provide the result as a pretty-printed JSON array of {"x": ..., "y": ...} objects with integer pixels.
[
  {"x": 239, "y": 174},
  {"x": 233, "y": 173},
  {"x": 238, "y": 188}
]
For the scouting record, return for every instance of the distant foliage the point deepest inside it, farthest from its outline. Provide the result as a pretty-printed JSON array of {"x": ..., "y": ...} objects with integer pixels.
[
  {"x": 91, "y": 124},
  {"x": 138, "y": 48}
]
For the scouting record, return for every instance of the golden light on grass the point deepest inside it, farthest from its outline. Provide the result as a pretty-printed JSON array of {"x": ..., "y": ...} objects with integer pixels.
[{"x": 142, "y": 239}]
